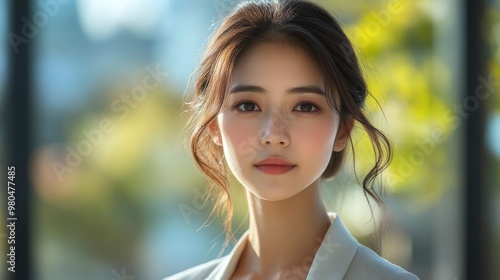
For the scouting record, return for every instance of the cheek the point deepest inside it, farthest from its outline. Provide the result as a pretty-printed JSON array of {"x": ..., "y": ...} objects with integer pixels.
[
  {"x": 239, "y": 138},
  {"x": 232, "y": 132},
  {"x": 316, "y": 136}
]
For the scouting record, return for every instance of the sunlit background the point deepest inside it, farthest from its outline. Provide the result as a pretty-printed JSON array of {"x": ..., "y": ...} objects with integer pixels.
[{"x": 113, "y": 191}]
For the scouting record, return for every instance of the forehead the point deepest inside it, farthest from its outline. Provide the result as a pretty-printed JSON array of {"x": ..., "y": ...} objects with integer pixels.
[{"x": 277, "y": 65}]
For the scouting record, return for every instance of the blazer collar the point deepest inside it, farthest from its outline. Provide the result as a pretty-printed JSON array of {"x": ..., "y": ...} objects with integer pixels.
[
  {"x": 228, "y": 264},
  {"x": 330, "y": 262},
  {"x": 335, "y": 253}
]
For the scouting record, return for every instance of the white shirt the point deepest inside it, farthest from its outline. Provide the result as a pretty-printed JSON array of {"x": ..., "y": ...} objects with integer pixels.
[{"x": 339, "y": 256}]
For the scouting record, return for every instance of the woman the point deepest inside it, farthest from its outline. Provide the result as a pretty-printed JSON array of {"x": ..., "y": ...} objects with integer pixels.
[{"x": 277, "y": 94}]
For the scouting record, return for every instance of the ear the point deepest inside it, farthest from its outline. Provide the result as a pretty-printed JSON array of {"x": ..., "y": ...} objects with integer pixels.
[
  {"x": 215, "y": 132},
  {"x": 343, "y": 135}
]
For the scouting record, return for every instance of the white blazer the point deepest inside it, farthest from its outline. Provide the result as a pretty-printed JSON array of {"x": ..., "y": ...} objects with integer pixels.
[{"x": 339, "y": 256}]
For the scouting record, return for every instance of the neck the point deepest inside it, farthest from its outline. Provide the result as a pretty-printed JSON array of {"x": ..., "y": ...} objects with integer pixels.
[{"x": 285, "y": 233}]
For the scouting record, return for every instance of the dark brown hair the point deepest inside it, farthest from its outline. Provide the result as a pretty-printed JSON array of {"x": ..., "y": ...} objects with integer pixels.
[{"x": 296, "y": 23}]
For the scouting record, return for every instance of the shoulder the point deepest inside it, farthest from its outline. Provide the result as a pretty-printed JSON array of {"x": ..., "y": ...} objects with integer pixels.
[
  {"x": 201, "y": 271},
  {"x": 367, "y": 264}
]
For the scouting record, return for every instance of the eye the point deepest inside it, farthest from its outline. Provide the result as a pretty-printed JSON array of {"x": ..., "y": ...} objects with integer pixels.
[
  {"x": 247, "y": 106},
  {"x": 306, "y": 107}
]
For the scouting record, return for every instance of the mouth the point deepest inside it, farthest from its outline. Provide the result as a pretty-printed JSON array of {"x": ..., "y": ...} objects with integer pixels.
[
  {"x": 275, "y": 165},
  {"x": 275, "y": 169}
]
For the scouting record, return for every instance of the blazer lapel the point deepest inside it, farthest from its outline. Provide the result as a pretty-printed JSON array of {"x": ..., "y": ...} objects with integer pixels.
[
  {"x": 228, "y": 264},
  {"x": 335, "y": 253},
  {"x": 331, "y": 261}
]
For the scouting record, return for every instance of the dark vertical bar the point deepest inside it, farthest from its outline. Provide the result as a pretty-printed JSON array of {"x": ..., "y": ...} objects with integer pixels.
[
  {"x": 476, "y": 222},
  {"x": 18, "y": 132}
]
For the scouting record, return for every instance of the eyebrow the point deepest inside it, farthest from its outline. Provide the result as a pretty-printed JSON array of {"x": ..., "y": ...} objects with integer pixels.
[{"x": 295, "y": 90}]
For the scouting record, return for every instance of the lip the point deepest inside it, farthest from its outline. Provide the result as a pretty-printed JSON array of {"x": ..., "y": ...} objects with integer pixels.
[{"x": 274, "y": 165}]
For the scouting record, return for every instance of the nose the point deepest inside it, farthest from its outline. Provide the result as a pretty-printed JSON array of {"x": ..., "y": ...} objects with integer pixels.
[{"x": 275, "y": 131}]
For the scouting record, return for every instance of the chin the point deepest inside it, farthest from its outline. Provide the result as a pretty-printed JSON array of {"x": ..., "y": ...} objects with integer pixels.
[{"x": 273, "y": 194}]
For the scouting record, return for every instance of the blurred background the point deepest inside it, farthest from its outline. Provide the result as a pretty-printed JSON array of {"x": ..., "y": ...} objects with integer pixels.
[{"x": 91, "y": 95}]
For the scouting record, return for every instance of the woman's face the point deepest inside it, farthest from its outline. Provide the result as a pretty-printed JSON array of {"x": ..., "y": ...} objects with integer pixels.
[{"x": 277, "y": 111}]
